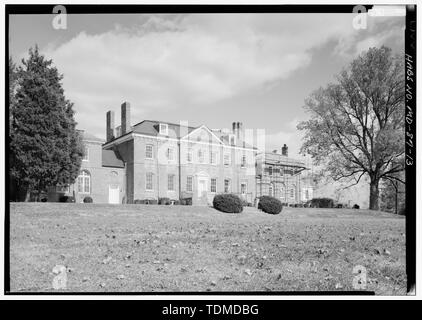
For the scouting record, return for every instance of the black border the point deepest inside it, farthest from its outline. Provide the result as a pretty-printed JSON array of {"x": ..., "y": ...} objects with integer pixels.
[
  {"x": 410, "y": 146},
  {"x": 410, "y": 48}
]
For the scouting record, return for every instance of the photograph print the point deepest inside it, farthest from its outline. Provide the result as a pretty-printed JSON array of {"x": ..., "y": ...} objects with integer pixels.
[{"x": 156, "y": 150}]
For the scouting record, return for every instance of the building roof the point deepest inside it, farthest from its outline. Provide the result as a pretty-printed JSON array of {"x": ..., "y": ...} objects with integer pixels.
[
  {"x": 151, "y": 128},
  {"x": 224, "y": 136},
  {"x": 111, "y": 159},
  {"x": 176, "y": 131}
]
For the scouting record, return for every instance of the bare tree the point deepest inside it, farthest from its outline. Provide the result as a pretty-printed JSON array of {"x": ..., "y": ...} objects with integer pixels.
[{"x": 356, "y": 125}]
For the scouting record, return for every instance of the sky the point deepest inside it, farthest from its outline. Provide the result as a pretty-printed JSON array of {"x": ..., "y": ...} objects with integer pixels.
[{"x": 209, "y": 69}]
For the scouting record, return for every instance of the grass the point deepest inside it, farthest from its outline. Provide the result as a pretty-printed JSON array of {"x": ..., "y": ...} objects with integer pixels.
[{"x": 141, "y": 248}]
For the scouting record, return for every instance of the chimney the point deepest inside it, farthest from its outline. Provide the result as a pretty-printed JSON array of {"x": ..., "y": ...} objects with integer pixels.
[
  {"x": 285, "y": 150},
  {"x": 240, "y": 131},
  {"x": 125, "y": 125},
  {"x": 109, "y": 125},
  {"x": 234, "y": 126}
]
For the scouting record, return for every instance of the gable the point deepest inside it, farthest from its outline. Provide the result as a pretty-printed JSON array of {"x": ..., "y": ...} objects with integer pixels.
[{"x": 203, "y": 135}]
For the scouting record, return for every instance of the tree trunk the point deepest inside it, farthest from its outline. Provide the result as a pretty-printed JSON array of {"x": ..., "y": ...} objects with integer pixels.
[
  {"x": 374, "y": 194},
  {"x": 27, "y": 195}
]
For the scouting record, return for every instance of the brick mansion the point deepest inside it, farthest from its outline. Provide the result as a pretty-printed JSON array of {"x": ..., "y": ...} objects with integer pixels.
[{"x": 152, "y": 160}]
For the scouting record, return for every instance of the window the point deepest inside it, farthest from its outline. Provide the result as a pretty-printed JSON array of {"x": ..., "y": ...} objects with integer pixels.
[
  {"x": 84, "y": 182},
  {"x": 292, "y": 193},
  {"x": 270, "y": 171},
  {"x": 170, "y": 154},
  {"x": 148, "y": 181},
  {"x": 227, "y": 159},
  {"x": 189, "y": 183},
  {"x": 213, "y": 157},
  {"x": 170, "y": 182},
  {"x": 243, "y": 161},
  {"x": 226, "y": 185},
  {"x": 306, "y": 194},
  {"x": 200, "y": 156},
  {"x": 270, "y": 190},
  {"x": 282, "y": 192},
  {"x": 189, "y": 155},
  {"x": 164, "y": 129},
  {"x": 86, "y": 154},
  {"x": 148, "y": 151},
  {"x": 243, "y": 188},
  {"x": 213, "y": 184}
]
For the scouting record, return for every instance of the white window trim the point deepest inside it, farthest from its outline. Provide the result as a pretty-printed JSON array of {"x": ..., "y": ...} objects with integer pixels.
[
  {"x": 246, "y": 189},
  {"x": 191, "y": 184},
  {"x": 146, "y": 181},
  {"x": 164, "y": 132},
  {"x": 224, "y": 159},
  {"x": 216, "y": 184},
  {"x": 168, "y": 182},
  {"x": 88, "y": 175},
  {"x": 172, "y": 153},
  {"x": 152, "y": 151},
  {"x": 189, "y": 152},
  {"x": 215, "y": 159},
  {"x": 229, "y": 185},
  {"x": 243, "y": 165}
]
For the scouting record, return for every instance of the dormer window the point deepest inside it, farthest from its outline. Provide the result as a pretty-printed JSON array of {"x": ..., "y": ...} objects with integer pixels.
[{"x": 164, "y": 129}]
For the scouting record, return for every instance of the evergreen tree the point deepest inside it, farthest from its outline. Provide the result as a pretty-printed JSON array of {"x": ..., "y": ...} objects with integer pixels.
[{"x": 44, "y": 144}]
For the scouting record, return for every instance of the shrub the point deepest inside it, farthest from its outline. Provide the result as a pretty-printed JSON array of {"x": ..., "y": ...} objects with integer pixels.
[
  {"x": 270, "y": 205},
  {"x": 43, "y": 199},
  {"x": 322, "y": 203},
  {"x": 186, "y": 201},
  {"x": 356, "y": 206},
  {"x": 88, "y": 199},
  {"x": 139, "y": 201},
  {"x": 228, "y": 202},
  {"x": 66, "y": 199},
  {"x": 164, "y": 200},
  {"x": 402, "y": 211}
]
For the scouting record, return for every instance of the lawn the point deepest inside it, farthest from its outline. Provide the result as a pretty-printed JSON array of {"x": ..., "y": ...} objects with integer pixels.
[{"x": 151, "y": 248}]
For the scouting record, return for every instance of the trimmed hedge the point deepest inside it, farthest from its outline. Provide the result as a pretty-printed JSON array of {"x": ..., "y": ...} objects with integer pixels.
[
  {"x": 164, "y": 200},
  {"x": 270, "y": 205},
  {"x": 356, "y": 206},
  {"x": 66, "y": 199},
  {"x": 322, "y": 203},
  {"x": 146, "y": 201},
  {"x": 186, "y": 202},
  {"x": 228, "y": 202},
  {"x": 88, "y": 200}
]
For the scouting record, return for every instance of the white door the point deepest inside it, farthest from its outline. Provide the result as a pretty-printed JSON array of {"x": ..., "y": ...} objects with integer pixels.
[
  {"x": 113, "y": 194},
  {"x": 202, "y": 186}
]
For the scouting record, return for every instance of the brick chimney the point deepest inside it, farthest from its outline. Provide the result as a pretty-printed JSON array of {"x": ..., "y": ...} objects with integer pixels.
[
  {"x": 285, "y": 150},
  {"x": 239, "y": 133},
  {"x": 109, "y": 125},
  {"x": 125, "y": 112},
  {"x": 234, "y": 126}
]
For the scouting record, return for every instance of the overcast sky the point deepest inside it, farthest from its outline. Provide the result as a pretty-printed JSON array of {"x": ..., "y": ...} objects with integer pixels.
[{"x": 209, "y": 69}]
